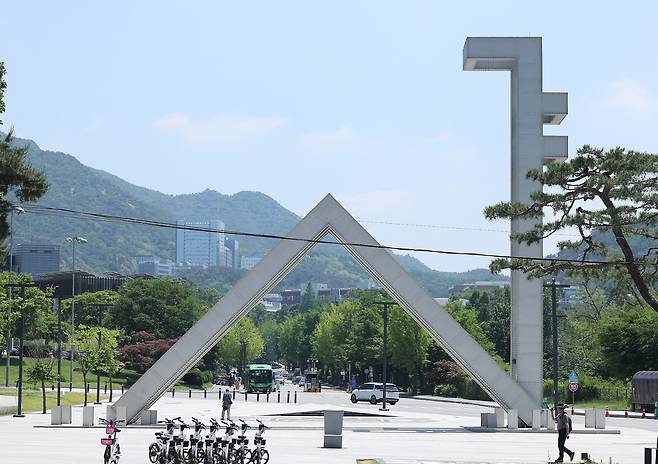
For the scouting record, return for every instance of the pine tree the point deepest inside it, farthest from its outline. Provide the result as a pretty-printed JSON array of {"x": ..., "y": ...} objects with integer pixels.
[
  {"x": 16, "y": 174},
  {"x": 598, "y": 193}
]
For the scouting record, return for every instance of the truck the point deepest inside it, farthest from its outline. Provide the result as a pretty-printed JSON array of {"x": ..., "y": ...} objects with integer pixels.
[{"x": 312, "y": 382}]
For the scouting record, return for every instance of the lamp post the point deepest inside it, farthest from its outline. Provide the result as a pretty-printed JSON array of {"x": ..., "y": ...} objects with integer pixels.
[
  {"x": 385, "y": 304},
  {"x": 57, "y": 306},
  {"x": 22, "y": 286},
  {"x": 73, "y": 241},
  {"x": 17, "y": 210},
  {"x": 554, "y": 286}
]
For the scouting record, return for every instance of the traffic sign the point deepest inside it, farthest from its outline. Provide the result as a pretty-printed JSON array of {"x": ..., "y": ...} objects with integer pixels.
[
  {"x": 573, "y": 387},
  {"x": 573, "y": 377}
]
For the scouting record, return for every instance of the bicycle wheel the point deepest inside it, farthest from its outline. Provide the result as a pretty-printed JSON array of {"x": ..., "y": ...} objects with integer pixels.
[
  {"x": 264, "y": 456},
  {"x": 219, "y": 457},
  {"x": 173, "y": 457},
  {"x": 107, "y": 454},
  {"x": 154, "y": 450}
]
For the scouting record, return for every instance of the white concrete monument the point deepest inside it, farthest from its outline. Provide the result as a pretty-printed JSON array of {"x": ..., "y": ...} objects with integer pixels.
[
  {"x": 531, "y": 108},
  {"x": 328, "y": 217}
]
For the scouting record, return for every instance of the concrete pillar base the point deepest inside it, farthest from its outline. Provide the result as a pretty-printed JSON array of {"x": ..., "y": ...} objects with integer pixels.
[{"x": 88, "y": 416}]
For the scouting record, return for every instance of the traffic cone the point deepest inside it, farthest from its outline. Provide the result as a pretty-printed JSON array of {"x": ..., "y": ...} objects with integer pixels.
[{"x": 607, "y": 413}]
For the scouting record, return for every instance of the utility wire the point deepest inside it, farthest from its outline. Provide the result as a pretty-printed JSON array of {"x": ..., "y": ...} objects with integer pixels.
[
  {"x": 435, "y": 226},
  {"x": 49, "y": 210}
]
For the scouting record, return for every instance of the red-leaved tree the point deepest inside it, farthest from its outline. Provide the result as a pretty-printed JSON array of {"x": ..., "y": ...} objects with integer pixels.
[{"x": 144, "y": 351}]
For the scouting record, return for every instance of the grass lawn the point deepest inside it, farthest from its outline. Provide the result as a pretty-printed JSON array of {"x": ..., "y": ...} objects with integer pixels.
[
  {"x": 33, "y": 402},
  {"x": 122, "y": 377},
  {"x": 125, "y": 376},
  {"x": 614, "y": 405}
]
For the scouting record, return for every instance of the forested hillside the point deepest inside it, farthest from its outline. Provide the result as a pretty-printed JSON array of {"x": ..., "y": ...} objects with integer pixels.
[{"x": 112, "y": 246}]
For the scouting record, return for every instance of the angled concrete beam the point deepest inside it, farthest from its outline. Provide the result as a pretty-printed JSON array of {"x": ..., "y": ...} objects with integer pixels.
[
  {"x": 327, "y": 217},
  {"x": 531, "y": 107}
]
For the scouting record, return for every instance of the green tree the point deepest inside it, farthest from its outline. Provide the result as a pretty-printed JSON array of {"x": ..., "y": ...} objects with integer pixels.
[
  {"x": 97, "y": 351},
  {"x": 408, "y": 344},
  {"x": 599, "y": 194},
  {"x": 40, "y": 321},
  {"x": 309, "y": 302},
  {"x": 364, "y": 342},
  {"x": 16, "y": 174},
  {"x": 89, "y": 355},
  {"x": 108, "y": 362},
  {"x": 269, "y": 331},
  {"x": 290, "y": 334},
  {"x": 629, "y": 342},
  {"x": 497, "y": 322},
  {"x": 3, "y": 86},
  {"x": 164, "y": 307},
  {"x": 208, "y": 296},
  {"x": 468, "y": 318},
  {"x": 242, "y": 344},
  {"x": 329, "y": 336},
  {"x": 42, "y": 368},
  {"x": 86, "y": 307}
]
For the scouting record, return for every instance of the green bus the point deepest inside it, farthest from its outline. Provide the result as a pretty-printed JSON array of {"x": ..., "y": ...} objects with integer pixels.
[{"x": 259, "y": 378}]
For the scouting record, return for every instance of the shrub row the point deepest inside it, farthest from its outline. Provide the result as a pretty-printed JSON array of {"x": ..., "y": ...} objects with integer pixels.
[
  {"x": 197, "y": 377},
  {"x": 589, "y": 388}
]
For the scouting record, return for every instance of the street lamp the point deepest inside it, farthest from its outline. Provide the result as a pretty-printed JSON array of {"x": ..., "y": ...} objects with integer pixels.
[
  {"x": 385, "y": 304},
  {"x": 554, "y": 286},
  {"x": 17, "y": 210},
  {"x": 73, "y": 241}
]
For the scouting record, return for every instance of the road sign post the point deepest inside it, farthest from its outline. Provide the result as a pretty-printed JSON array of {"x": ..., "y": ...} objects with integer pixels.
[{"x": 573, "y": 387}]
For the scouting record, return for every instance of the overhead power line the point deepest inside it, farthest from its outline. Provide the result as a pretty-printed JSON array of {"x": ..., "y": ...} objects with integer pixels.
[
  {"x": 444, "y": 227},
  {"x": 50, "y": 211}
]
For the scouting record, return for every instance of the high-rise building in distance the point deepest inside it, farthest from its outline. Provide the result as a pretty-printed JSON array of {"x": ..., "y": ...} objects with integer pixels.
[
  {"x": 35, "y": 259},
  {"x": 199, "y": 247}
]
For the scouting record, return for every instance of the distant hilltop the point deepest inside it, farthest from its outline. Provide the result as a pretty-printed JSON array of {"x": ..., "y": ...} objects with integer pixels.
[{"x": 112, "y": 246}]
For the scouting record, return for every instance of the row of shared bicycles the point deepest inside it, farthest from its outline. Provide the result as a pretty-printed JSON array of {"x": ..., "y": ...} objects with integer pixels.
[{"x": 175, "y": 446}]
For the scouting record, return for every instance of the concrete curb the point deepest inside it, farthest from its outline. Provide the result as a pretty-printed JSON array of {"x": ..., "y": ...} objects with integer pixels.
[
  {"x": 441, "y": 399},
  {"x": 530, "y": 430}
]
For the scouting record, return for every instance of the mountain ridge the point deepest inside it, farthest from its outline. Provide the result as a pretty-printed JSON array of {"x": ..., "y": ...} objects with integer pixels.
[{"x": 112, "y": 246}]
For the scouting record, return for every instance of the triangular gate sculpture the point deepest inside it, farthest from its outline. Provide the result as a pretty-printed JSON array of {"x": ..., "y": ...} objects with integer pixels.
[{"x": 328, "y": 217}]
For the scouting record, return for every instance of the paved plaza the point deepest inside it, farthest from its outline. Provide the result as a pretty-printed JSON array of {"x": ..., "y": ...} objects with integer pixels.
[{"x": 413, "y": 431}]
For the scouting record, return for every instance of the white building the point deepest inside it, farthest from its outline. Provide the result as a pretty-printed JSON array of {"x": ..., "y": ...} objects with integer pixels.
[
  {"x": 248, "y": 262},
  {"x": 150, "y": 265},
  {"x": 201, "y": 247}
]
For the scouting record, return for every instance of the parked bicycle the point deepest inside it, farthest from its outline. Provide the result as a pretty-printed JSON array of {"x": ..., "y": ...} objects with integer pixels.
[
  {"x": 226, "y": 451},
  {"x": 181, "y": 444},
  {"x": 195, "y": 453},
  {"x": 162, "y": 450},
  {"x": 259, "y": 454},
  {"x": 242, "y": 453},
  {"x": 112, "y": 450},
  {"x": 213, "y": 444}
]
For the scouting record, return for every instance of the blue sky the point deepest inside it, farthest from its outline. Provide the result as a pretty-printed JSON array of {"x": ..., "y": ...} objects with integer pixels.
[{"x": 365, "y": 100}]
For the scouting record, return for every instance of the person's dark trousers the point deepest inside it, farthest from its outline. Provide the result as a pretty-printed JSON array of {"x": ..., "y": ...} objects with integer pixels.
[{"x": 561, "y": 439}]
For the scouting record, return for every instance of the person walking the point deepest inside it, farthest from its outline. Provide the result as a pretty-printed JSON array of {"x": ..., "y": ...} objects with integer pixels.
[
  {"x": 227, "y": 401},
  {"x": 563, "y": 425}
]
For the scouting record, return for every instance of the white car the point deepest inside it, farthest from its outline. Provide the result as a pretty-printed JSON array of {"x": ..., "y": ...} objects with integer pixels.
[{"x": 374, "y": 392}]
